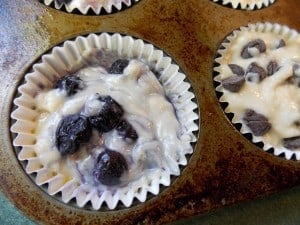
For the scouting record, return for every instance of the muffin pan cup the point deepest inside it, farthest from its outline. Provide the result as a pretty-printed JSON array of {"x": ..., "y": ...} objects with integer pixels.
[
  {"x": 228, "y": 55},
  {"x": 84, "y": 6},
  {"x": 246, "y": 4},
  {"x": 67, "y": 59},
  {"x": 225, "y": 168}
]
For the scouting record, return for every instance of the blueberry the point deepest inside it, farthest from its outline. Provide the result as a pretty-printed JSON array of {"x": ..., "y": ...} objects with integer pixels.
[
  {"x": 71, "y": 132},
  {"x": 109, "y": 167},
  {"x": 118, "y": 66},
  {"x": 125, "y": 130},
  {"x": 109, "y": 116},
  {"x": 71, "y": 84}
]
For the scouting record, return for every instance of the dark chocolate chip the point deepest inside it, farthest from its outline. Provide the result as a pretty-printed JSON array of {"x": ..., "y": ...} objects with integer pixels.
[
  {"x": 292, "y": 143},
  {"x": 233, "y": 83},
  {"x": 255, "y": 73},
  {"x": 296, "y": 70},
  {"x": 297, "y": 123},
  {"x": 251, "y": 115},
  {"x": 281, "y": 43},
  {"x": 257, "y": 43},
  {"x": 259, "y": 128},
  {"x": 272, "y": 67},
  {"x": 296, "y": 74},
  {"x": 257, "y": 123},
  {"x": 236, "y": 69}
]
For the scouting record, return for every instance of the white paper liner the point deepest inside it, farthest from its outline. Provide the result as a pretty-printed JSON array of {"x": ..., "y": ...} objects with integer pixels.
[
  {"x": 65, "y": 58},
  {"x": 246, "y": 4},
  {"x": 289, "y": 36},
  {"x": 96, "y": 6}
]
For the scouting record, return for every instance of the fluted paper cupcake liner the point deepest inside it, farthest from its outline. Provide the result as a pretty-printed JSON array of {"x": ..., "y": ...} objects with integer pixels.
[
  {"x": 66, "y": 59},
  {"x": 279, "y": 59},
  {"x": 85, "y": 5},
  {"x": 246, "y": 4}
]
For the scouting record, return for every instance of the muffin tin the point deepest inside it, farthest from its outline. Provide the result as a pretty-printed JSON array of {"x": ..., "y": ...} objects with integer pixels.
[
  {"x": 225, "y": 168},
  {"x": 95, "y": 7},
  {"x": 277, "y": 133},
  {"x": 151, "y": 159}
]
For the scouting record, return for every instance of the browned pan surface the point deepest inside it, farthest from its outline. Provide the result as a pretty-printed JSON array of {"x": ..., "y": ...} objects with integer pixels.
[{"x": 225, "y": 168}]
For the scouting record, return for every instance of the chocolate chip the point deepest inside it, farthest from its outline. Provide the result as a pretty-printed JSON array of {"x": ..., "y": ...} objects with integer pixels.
[
  {"x": 281, "y": 43},
  {"x": 296, "y": 74},
  {"x": 259, "y": 128},
  {"x": 297, "y": 123},
  {"x": 71, "y": 131},
  {"x": 256, "y": 122},
  {"x": 251, "y": 115},
  {"x": 272, "y": 67},
  {"x": 292, "y": 143},
  {"x": 296, "y": 70},
  {"x": 236, "y": 69},
  {"x": 295, "y": 77},
  {"x": 233, "y": 83},
  {"x": 71, "y": 84},
  {"x": 255, "y": 73},
  {"x": 257, "y": 43}
]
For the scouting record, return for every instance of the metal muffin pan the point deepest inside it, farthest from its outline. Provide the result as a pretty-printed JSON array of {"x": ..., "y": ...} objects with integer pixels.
[{"x": 225, "y": 168}]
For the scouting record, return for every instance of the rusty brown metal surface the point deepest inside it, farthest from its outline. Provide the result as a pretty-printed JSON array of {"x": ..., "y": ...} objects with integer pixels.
[{"x": 225, "y": 168}]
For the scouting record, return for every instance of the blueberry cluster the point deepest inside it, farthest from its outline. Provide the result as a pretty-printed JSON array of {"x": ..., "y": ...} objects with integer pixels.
[{"x": 76, "y": 129}]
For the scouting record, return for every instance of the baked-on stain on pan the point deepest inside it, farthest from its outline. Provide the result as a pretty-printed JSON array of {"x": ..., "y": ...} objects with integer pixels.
[{"x": 225, "y": 168}]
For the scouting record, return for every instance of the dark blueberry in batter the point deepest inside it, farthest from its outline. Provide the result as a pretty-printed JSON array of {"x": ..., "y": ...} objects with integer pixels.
[
  {"x": 109, "y": 116},
  {"x": 71, "y": 132},
  {"x": 109, "y": 168},
  {"x": 71, "y": 84},
  {"x": 125, "y": 130},
  {"x": 118, "y": 66}
]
